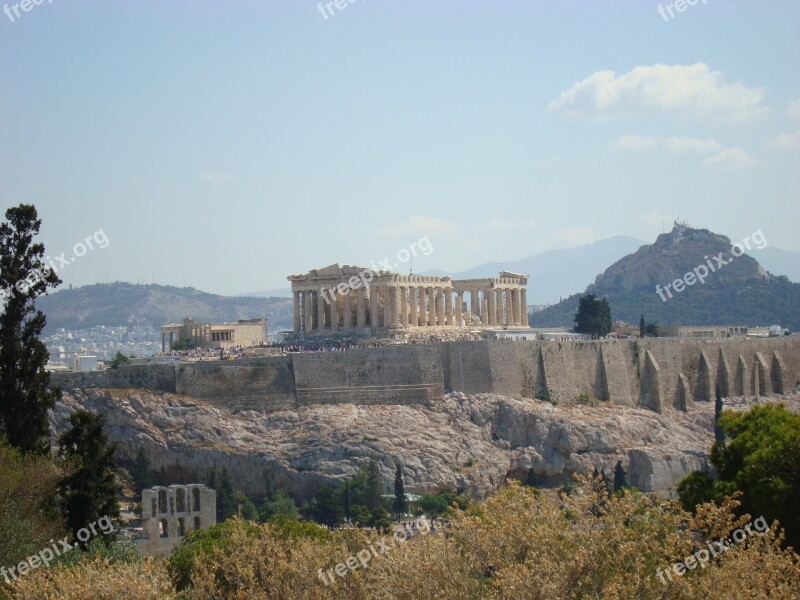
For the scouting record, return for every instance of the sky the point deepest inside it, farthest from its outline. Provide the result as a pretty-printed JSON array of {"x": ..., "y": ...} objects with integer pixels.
[{"x": 227, "y": 144}]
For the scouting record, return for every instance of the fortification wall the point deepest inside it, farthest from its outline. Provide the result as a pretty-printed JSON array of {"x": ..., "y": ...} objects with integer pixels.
[
  {"x": 657, "y": 373},
  {"x": 151, "y": 377},
  {"x": 386, "y": 375}
]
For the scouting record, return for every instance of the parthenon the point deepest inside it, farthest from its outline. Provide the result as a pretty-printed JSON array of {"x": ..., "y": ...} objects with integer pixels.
[{"x": 348, "y": 297}]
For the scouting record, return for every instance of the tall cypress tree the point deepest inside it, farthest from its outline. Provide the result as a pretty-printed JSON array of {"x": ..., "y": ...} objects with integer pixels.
[
  {"x": 400, "y": 506},
  {"x": 374, "y": 486},
  {"x": 620, "y": 477},
  {"x": 24, "y": 393},
  {"x": 88, "y": 490}
]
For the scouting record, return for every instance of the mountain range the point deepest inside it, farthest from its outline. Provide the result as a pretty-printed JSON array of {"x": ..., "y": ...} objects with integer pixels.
[{"x": 555, "y": 275}]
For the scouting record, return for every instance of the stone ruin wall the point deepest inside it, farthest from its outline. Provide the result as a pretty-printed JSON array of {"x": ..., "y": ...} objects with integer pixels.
[{"x": 658, "y": 373}]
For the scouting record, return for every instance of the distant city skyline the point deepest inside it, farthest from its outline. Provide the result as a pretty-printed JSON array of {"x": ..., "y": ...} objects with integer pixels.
[{"x": 225, "y": 146}]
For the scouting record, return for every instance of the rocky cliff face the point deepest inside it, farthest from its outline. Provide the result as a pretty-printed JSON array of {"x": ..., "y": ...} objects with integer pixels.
[{"x": 468, "y": 443}]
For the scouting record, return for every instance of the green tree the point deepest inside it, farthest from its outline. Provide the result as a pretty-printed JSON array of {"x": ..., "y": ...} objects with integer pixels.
[
  {"x": 374, "y": 489},
  {"x": 651, "y": 330},
  {"x": 278, "y": 503},
  {"x": 379, "y": 519},
  {"x": 620, "y": 477},
  {"x": 759, "y": 458},
  {"x": 28, "y": 514},
  {"x": 439, "y": 504},
  {"x": 642, "y": 327},
  {"x": 324, "y": 508},
  {"x": 118, "y": 360},
  {"x": 226, "y": 502},
  {"x": 88, "y": 491},
  {"x": 25, "y": 396},
  {"x": 244, "y": 507},
  {"x": 141, "y": 472},
  {"x": 400, "y": 506},
  {"x": 593, "y": 316}
]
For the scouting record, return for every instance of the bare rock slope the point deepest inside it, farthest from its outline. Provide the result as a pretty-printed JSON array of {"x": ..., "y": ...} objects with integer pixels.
[{"x": 467, "y": 443}]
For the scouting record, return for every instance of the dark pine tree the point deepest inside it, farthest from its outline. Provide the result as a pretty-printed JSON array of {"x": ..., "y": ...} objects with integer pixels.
[
  {"x": 620, "y": 477},
  {"x": 226, "y": 503},
  {"x": 88, "y": 491},
  {"x": 400, "y": 506},
  {"x": 141, "y": 471},
  {"x": 642, "y": 327},
  {"x": 25, "y": 396},
  {"x": 593, "y": 316}
]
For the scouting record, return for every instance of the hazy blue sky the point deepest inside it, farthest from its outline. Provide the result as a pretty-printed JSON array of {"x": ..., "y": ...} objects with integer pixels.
[{"x": 225, "y": 145}]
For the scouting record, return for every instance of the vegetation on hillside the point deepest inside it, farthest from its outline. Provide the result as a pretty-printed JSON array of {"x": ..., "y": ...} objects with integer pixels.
[
  {"x": 771, "y": 302},
  {"x": 521, "y": 543},
  {"x": 758, "y": 458}
]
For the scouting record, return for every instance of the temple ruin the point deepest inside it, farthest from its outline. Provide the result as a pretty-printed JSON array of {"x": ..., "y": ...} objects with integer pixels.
[{"x": 354, "y": 298}]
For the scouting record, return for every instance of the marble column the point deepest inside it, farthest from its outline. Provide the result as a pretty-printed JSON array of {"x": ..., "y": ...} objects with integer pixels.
[
  {"x": 523, "y": 298},
  {"x": 373, "y": 306},
  {"x": 361, "y": 308},
  {"x": 333, "y": 296},
  {"x": 387, "y": 307},
  {"x": 459, "y": 308},
  {"x": 348, "y": 310},
  {"x": 516, "y": 306},
  {"x": 431, "y": 308},
  {"x": 509, "y": 307},
  {"x": 395, "y": 300},
  {"x": 307, "y": 311},
  {"x": 320, "y": 310},
  {"x": 485, "y": 308},
  {"x": 440, "y": 307},
  {"x": 171, "y": 340},
  {"x": 296, "y": 311},
  {"x": 448, "y": 307},
  {"x": 492, "y": 307},
  {"x": 403, "y": 306},
  {"x": 163, "y": 342},
  {"x": 412, "y": 298}
]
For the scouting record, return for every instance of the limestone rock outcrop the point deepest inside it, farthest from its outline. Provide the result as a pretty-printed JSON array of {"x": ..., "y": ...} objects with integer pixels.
[{"x": 470, "y": 443}]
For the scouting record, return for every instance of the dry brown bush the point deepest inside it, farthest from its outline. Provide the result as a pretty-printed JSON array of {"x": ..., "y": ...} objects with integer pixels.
[{"x": 519, "y": 544}]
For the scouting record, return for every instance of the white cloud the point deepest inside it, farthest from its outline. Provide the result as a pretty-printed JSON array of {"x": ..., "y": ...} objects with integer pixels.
[
  {"x": 694, "y": 90},
  {"x": 636, "y": 142},
  {"x": 786, "y": 141},
  {"x": 656, "y": 218},
  {"x": 794, "y": 109},
  {"x": 732, "y": 158},
  {"x": 218, "y": 179},
  {"x": 417, "y": 225},
  {"x": 687, "y": 144}
]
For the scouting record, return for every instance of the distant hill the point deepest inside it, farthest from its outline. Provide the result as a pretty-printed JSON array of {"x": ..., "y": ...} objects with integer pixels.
[
  {"x": 556, "y": 274},
  {"x": 740, "y": 292},
  {"x": 118, "y": 304},
  {"x": 779, "y": 262}
]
